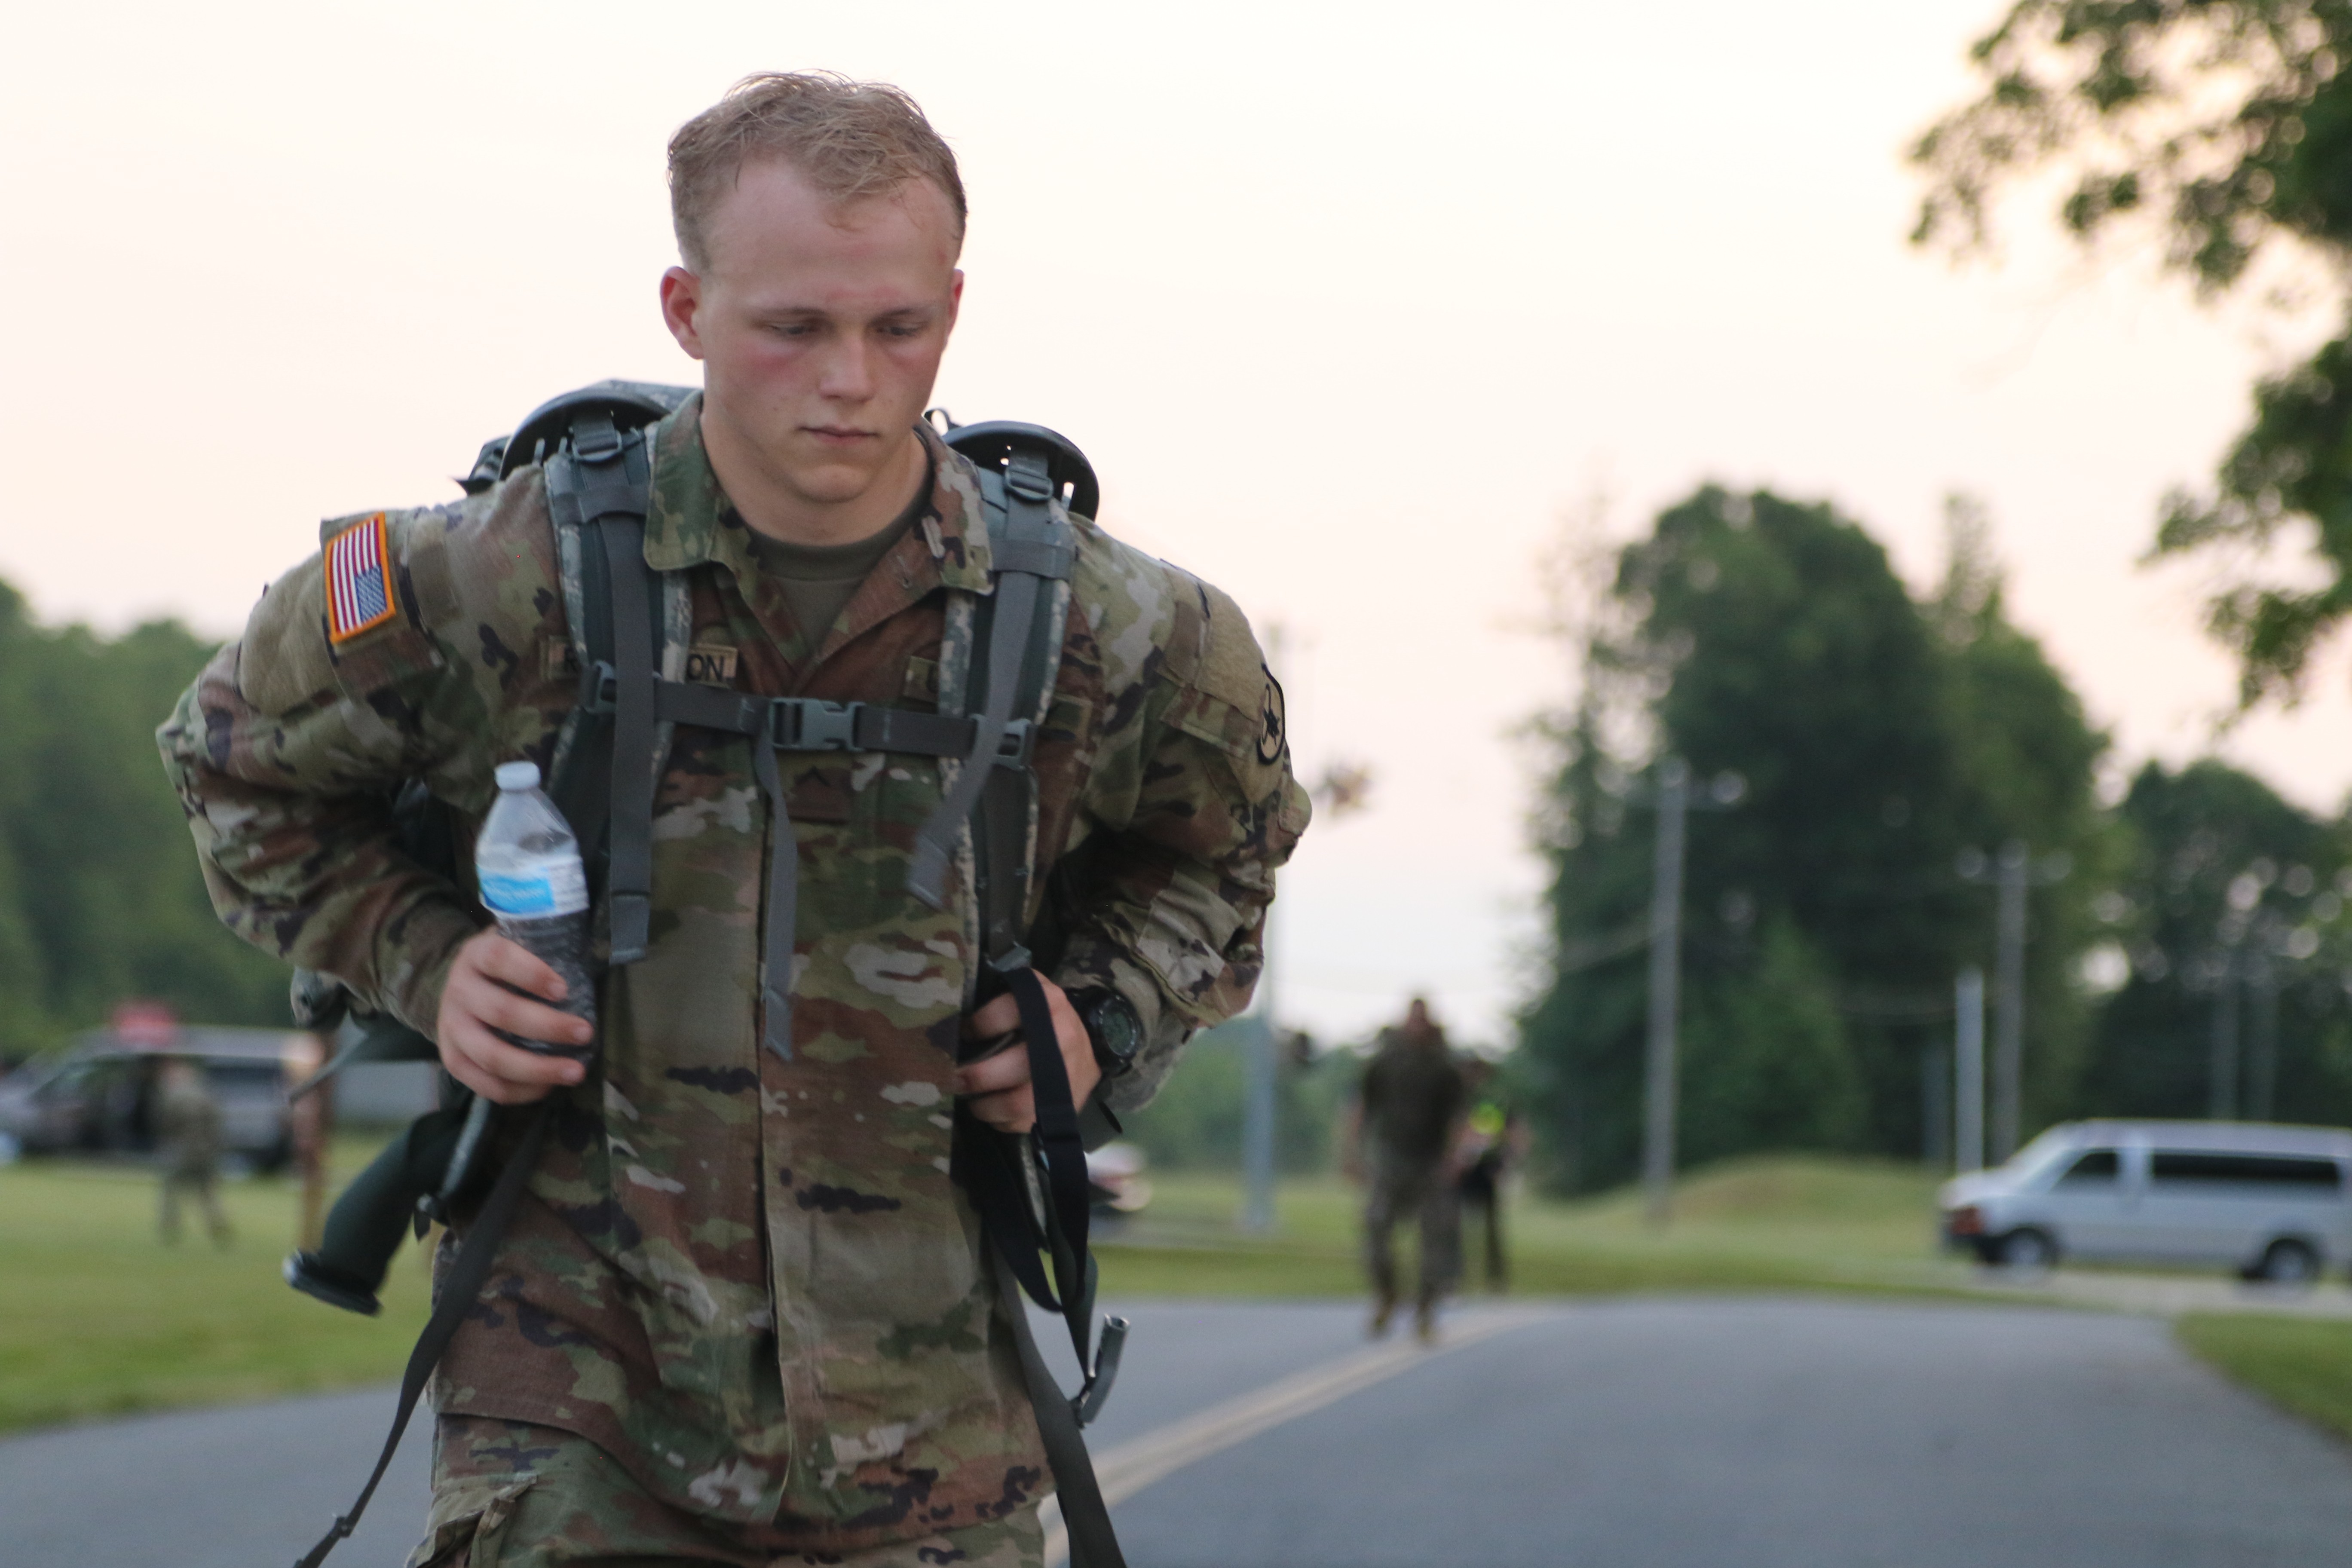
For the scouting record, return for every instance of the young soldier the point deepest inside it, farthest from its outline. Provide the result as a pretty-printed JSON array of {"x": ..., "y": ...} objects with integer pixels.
[{"x": 744, "y": 1311}]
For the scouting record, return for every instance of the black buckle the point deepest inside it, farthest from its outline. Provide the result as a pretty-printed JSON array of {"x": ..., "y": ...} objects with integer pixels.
[
  {"x": 600, "y": 689},
  {"x": 1014, "y": 747},
  {"x": 1090, "y": 1398},
  {"x": 810, "y": 724},
  {"x": 595, "y": 439}
]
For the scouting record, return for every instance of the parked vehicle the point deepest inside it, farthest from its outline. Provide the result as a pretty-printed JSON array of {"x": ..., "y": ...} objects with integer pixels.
[
  {"x": 2272, "y": 1202},
  {"x": 99, "y": 1096}
]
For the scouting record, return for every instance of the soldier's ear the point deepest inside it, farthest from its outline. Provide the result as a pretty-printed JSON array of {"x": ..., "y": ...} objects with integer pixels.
[{"x": 681, "y": 302}]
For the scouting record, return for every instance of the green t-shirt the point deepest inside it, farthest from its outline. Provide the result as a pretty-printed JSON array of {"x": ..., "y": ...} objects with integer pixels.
[{"x": 819, "y": 580}]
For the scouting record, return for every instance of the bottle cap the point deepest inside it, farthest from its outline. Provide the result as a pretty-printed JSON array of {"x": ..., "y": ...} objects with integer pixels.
[{"x": 517, "y": 778}]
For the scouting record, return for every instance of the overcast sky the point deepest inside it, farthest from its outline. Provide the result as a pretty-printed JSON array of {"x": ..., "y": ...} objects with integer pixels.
[{"x": 1349, "y": 305}]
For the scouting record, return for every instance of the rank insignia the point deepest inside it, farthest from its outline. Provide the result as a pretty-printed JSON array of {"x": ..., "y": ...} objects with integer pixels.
[{"x": 359, "y": 580}]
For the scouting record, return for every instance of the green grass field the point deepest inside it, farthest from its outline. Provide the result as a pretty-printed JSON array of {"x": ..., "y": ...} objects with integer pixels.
[
  {"x": 97, "y": 1317},
  {"x": 2300, "y": 1364},
  {"x": 1785, "y": 1223}
]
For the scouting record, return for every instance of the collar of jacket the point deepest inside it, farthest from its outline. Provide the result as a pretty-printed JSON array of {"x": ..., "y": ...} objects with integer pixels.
[{"x": 691, "y": 524}]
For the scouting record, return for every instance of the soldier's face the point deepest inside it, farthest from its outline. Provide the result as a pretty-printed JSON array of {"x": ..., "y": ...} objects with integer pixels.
[{"x": 820, "y": 325}]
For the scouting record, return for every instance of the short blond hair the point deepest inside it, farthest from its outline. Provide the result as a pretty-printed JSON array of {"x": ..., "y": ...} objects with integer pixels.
[{"x": 851, "y": 139}]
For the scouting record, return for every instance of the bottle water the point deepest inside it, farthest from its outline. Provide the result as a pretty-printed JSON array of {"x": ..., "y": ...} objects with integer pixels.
[{"x": 528, "y": 864}]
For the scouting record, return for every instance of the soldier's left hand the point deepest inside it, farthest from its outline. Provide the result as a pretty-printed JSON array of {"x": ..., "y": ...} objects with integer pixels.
[{"x": 997, "y": 1086}]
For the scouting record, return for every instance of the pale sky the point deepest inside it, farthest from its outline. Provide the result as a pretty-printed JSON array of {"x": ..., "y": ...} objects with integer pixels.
[{"x": 1349, "y": 305}]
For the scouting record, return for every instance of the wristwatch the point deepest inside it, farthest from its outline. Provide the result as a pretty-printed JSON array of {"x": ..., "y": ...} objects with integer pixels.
[{"x": 1113, "y": 1028}]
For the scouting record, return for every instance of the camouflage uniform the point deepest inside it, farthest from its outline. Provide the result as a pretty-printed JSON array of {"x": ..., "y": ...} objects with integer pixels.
[
  {"x": 510, "y": 1495},
  {"x": 748, "y": 1280},
  {"x": 188, "y": 1137}
]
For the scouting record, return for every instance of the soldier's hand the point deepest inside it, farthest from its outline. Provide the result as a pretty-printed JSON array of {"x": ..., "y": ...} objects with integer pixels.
[
  {"x": 486, "y": 989},
  {"x": 997, "y": 1086}
]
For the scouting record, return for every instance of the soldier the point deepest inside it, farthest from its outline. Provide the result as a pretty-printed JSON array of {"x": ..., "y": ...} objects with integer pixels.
[
  {"x": 1494, "y": 1141},
  {"x": 742, "y": 1316},
  {"x": 188, "y": 1138},
  {"x": 1400, "y": 1140}
]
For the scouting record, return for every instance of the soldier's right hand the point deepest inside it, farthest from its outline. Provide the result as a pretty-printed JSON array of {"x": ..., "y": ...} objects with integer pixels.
[{"x": 487, "y": 988}]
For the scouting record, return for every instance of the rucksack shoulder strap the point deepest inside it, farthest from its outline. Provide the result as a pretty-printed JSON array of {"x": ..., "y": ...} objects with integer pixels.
[
  {"x": 1016, "y": 638},
  {"x": 599, "y": 490}
]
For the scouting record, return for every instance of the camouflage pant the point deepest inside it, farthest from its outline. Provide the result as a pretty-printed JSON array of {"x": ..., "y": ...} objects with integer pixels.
[
  {"x": 510, "y": 1495},
  {"x": 183, "y": 1181},
  {"x": 1400, "y": 1188}
]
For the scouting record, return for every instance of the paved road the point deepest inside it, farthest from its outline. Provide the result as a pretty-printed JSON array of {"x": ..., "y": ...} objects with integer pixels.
[{"x": 1620, "y": 1434}]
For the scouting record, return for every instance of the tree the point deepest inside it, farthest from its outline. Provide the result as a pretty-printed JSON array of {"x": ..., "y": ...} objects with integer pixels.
[
  {"x": 100, "y": 894},
  {"x": 2226, "y": 127},
  {"x": 1877, "y": 737},
  {"x": 2228, "y": 888}
]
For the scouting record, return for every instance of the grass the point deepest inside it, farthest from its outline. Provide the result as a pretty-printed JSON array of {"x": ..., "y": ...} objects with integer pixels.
[
  {"x": 2302, "y": 1364},
  {"x": 99, "y": 1318},
  {"x": 1784, "y": 1222}
]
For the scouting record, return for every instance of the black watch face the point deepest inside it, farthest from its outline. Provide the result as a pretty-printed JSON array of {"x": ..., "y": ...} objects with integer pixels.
[{"x": 1116, "y": 1028}]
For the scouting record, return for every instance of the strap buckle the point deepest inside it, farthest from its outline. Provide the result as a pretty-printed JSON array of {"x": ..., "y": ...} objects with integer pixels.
[
  {"x": 1027, "y": 476},
  {"x": 600, "y": 689},
  {"x": 1017, "y": 744},
  {"x": 595, "y": 439},
  {"x": 1090, "y": 1398},
  {"x": 811, "y": 724}
]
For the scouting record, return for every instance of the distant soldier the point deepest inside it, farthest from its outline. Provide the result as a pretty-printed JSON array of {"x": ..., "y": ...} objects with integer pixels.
[
  {"x": 1399, "y": 1141},
  {"x": 188, "y": 1133},
  {"x": 1494, "y": 1137}
]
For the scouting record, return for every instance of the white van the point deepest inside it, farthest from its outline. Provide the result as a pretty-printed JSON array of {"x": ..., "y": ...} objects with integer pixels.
[{"x": 2270, "y": 1202}]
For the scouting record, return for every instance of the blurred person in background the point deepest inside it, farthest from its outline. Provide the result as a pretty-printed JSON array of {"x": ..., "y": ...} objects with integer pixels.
[
  {"x": 188, "y": 1137},
  {"x": 1400, "y": 1140},
  {"x": 1494, "y": 1137}
]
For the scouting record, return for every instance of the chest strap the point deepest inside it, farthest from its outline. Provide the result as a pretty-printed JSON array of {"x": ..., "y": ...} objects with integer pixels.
[
  {"x": 813, "y": 724},
  {"x": 809, "y": 724}
]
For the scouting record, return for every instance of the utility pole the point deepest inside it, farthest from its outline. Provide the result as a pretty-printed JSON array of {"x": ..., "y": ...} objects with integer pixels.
[
  {"x": 1968, "y": 1070},
  {"x": 2009, "y": 1007},
  {"x": 1665, "y": 979},
  {"x": 1673, "y": 803},
  {"x": 2013, "y": 872},
  {"x": 1258, "y": 1113},
  {"x": 1344, "y": 789}
]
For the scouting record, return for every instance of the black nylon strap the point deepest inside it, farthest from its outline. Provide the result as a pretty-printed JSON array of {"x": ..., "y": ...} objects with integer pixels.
[
  {"x": 1085, "y": 1515},
  {"x": 630, "y": 877},
  {"x": 459, "y": 1290},
  {"x": 1061, "y": 1149},
  {"x": 1064, "y": 1148}
]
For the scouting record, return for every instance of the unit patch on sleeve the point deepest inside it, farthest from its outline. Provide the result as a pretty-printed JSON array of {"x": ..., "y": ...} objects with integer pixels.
[{"x": 359, "y": 580}]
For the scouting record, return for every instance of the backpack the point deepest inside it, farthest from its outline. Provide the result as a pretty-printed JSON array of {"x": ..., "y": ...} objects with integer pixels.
[{"x": 628, "y": 623}]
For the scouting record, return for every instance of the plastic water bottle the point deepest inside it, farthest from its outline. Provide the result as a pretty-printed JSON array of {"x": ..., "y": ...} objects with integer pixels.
[{"x": 528, "y": 864}]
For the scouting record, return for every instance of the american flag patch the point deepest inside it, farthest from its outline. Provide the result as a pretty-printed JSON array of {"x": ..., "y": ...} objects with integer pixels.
[{"x": 359, "y": 580}]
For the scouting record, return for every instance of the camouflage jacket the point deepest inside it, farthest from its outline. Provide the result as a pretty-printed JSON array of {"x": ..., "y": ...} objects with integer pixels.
[{"x": 751, "y": 1281}]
